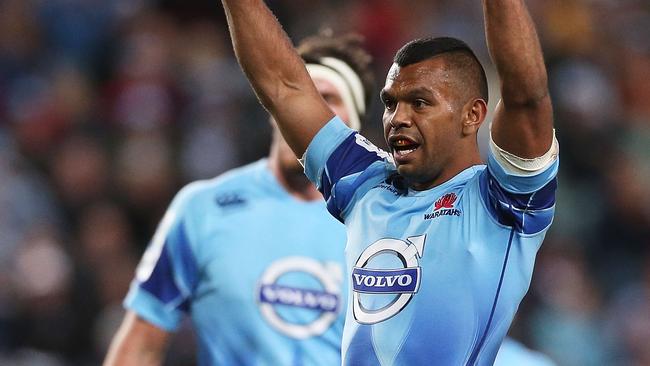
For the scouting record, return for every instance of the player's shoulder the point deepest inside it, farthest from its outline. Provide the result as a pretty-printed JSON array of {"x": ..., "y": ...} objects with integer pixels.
[
  {"x": 248, "y": 176},
  {"x": 471, "y": 174},
  {"x": 243, "y": 180},
  {"x": 467, "y": 180}
]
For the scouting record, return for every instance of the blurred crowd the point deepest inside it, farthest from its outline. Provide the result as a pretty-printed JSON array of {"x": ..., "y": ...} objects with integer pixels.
[{"x": 108, "y": 107}]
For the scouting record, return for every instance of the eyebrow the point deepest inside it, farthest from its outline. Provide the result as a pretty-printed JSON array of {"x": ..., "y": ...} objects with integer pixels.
[
  {"x": 420, "y": 92},
  {"x": 383, "y": 94},
  {"x": 415, "y": 93}
]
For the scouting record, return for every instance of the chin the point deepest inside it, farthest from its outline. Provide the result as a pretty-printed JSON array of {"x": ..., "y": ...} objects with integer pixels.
[
  {"x": 414, "y": 175},
  {"x": 408, "y": 173},
  {"x": 406, "y": 170}
]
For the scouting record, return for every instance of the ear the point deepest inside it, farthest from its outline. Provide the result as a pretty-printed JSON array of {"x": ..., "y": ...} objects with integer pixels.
[{"x": 474, "y": 114}]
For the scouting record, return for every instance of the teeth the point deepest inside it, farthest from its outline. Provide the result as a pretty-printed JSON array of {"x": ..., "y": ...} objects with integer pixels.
[
  {"x": 400, "y": 142},
  {"x": 404, "y": 152}
]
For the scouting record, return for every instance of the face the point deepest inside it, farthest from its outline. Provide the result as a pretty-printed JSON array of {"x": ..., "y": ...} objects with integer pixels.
[
  {"x": 333, "y": 98},
  {"x": 422, "y": 121}
]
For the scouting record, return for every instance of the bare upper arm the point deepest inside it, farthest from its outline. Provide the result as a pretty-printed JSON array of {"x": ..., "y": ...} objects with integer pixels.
[
  {"x": 300, "y": 112},
  {"x": 137, "y": 342},
  {"x": 523, "y": 120},
  {"x": 526, "y": 129},
  {"x": 276, "y": 72}
]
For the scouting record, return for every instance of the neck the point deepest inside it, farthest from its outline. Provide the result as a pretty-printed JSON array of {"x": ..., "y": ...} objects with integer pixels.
[
  {"x": 294, "y": 181},
  {"x": 451, "y": 170}
]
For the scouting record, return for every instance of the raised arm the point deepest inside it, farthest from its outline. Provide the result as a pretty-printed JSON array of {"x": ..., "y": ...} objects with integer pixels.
[
  {"x": 523, "y": 121},
  {"x": 276, "y": 72}
]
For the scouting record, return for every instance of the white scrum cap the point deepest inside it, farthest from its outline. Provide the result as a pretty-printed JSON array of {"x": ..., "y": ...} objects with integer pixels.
[{"x": 346, "y": 81}]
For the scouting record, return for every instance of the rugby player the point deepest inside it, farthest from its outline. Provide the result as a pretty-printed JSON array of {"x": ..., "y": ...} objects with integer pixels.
[
  {"x": 426, "y": 288},
  {"x": 252, "y": 256}
]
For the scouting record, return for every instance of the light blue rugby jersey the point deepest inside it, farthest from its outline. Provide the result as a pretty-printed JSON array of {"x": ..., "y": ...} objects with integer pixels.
[
  {"x": 513, "y": 353},
  {"x": 259, "y": 272},
  {"x": 436, "y": 275}
]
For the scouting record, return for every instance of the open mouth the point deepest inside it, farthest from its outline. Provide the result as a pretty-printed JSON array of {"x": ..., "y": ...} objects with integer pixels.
[{"x": 402, "y": 147}]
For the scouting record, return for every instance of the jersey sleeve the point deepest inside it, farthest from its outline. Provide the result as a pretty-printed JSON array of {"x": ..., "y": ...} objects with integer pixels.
[
  {"x": 167, "y": 273},
  {"x": 339, "y": 161},
  {"x": 523, "y": 201}
]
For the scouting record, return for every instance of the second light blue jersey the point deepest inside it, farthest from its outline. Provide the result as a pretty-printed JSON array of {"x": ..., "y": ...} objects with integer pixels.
[
  {"x": 437, "y": 275},
  {"x": 259, "y": 272},
  {"x": 513, "y": 353}
]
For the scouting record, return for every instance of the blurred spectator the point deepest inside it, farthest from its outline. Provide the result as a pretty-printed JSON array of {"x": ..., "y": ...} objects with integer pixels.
[
  {"x": 142, "y": 94},
  {"x": 42, "y": 278},
  {"x": 570, "y": 311},
  {"x": 212, "y": 85},
  {"x": 630, "y": 319},
  {"x": 79, "y": 171}
]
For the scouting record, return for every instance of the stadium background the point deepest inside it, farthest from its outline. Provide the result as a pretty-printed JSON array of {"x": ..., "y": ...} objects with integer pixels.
[{"x": 108, "y": 107}]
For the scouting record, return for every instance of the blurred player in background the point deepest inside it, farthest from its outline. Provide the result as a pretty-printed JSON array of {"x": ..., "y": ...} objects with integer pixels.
[
  {"x": 440, "y": 247},
  {"x": 252, "y": 256}
]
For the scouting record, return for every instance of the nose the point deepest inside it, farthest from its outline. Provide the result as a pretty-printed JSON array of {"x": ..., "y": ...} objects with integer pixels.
[{"x": 400, "y": 117}]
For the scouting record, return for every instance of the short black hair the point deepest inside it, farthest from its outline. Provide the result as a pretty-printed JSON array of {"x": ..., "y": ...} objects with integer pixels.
[
  {"x": 347, "y": 48},
  {"x": 457, "y": 54}
]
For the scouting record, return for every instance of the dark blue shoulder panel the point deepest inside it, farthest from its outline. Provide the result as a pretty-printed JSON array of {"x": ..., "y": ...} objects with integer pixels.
[
  {"x": 528, "y": 213},
  {"x": 164, "y": 283},
  {"x": 351, "y": 157}
]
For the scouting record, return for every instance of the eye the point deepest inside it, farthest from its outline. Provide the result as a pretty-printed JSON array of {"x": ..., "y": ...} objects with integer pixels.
[
  {"x": 420, "y": 103},
  {"x": 389, "y": 103}
]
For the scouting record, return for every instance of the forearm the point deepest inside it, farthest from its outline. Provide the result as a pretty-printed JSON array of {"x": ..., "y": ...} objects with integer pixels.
[
  {"x": 516, "y": 52},
  {"x": 131, "y": 355},
  {"x": 137, "y": 343},
  {"x": 263, "y": 49}
]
